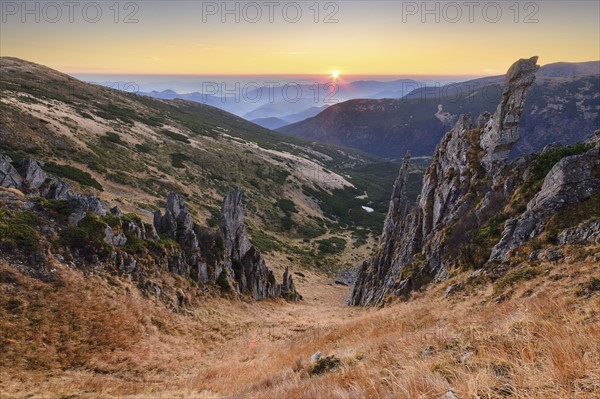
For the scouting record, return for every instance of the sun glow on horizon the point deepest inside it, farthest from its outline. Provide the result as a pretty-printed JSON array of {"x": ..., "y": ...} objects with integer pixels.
[{"x": 335, "y": 74}]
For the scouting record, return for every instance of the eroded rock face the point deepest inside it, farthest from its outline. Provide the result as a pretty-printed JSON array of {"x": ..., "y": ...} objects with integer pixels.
[
  {"x": 31, "y": 178},
  {"x": 370, "y": 285},
  {"x": 460, "y": 187},
  {"x": 57, "y": 189},
  {"x": 243, "y": 264}
]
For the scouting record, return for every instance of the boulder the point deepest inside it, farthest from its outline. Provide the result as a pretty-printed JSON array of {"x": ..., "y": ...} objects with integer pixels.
[
  {"x": 88, "y": 204},
  {"x": 33, "y": 174},
  {"x": 9, "y": 177},
  {"x": 57, "y": 189}
]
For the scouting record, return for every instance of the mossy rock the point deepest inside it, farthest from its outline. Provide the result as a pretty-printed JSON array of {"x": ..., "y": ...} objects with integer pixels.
[{"x": 325, "y": 365}]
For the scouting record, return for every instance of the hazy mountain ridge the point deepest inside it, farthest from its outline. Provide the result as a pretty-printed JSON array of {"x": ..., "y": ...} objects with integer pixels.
[{"x": 563, "y": 106}]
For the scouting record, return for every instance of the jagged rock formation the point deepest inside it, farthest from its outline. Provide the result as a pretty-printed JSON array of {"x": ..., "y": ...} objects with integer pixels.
[
  {"x": 460, "y": 189},
  {"x": 376, "y": 273},
  {"x": 137, "y": 249},
  {"x": 243, "y": 263},
  {"x": 177, "y": 219},
  {"x": 502, "y": 131}
]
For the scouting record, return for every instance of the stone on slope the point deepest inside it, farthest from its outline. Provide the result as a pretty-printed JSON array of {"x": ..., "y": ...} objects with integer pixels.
[
  {"x": 9, "y": 177},
  {"x": 88, "y": 204},
  {"x": 57, "y": 189},
  {"x": 33, "y": 174}
]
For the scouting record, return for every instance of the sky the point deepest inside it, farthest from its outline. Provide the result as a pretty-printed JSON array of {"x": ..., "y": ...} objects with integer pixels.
[{"x": 368, "y": 38}]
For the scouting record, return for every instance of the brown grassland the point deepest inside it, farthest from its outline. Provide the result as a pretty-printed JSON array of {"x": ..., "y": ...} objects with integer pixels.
[{"x": 99, "y": 337}]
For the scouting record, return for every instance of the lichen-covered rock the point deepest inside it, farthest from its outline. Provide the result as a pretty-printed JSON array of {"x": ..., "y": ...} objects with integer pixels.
[
  {"x": 370, "y": 285},
  {"x": 572, "y": 180},
  {"x": 57, "y": 189},
  {"x": 177, "y": 219},
  {"x": 116, "y": 240},
  {"x": 244, "y": 265},
  {"x": 88, "y": 204}
]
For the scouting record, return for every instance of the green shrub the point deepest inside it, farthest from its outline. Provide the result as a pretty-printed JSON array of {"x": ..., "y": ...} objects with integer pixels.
[
  {"x": 176, "y": 136},
  {"x": 513, "y": 277},
  {"x": 88, "y": 235},
  {"x": 112, "y": 138},
  {"x": 143, "y": 148},
  {"x": 222, "y": 281},
  {"x": 287, "y": 206},
  {"x": 72, "y": 173},
  {"x": 332, "y": 245},
  {"x": 60, "y": 208},
  {"x": 544, "y": 163},
  {"x": 177, "y": 160},
  {"x": 310, "y": 230},
  {"x": 17, "y": 230},
  {"x": 265, "y": 242}
]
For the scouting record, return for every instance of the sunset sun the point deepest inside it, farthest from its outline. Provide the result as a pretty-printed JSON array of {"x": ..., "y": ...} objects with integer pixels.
[{"x": 335, "y": 74}]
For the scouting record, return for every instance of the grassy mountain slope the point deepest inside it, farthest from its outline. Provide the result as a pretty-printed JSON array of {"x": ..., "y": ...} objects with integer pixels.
[{"x": 132, "y": 150}]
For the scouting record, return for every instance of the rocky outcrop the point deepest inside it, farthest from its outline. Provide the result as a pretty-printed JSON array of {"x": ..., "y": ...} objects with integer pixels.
[
  {"x": 198, "y": 255},
  {"x": 57, "y": 189},
  {"x": 177, "y": 220},
  {"x": 572, "y": 180},
  {"x": 244, "y": 266},
  {"x": 370, "y": 285},
  {"x": 460, "y": 189},
  {"x": 88, "y": 204},
  {"x": 502, "y": 131},
  {"x": 31, "y": 178},
  {"x": 584, "y": 234}
]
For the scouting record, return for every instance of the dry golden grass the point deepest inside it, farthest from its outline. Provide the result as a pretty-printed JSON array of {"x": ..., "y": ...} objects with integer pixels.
[{"x": 83, "y": 336}]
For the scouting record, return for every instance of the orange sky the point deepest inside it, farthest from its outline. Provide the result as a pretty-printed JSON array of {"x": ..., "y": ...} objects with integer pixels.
[{"x": 369, "y": 38}]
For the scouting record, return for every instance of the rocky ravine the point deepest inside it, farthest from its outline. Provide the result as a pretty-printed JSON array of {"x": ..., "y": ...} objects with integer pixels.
[
  {"x": 92, "y": 233},
  {"x": 467, "y": 185}
]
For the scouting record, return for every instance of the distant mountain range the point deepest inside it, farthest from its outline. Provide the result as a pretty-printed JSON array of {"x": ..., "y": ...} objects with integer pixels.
[
  {"x": 295, "y": 101},
  {"x": 564, "y": 106}
]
